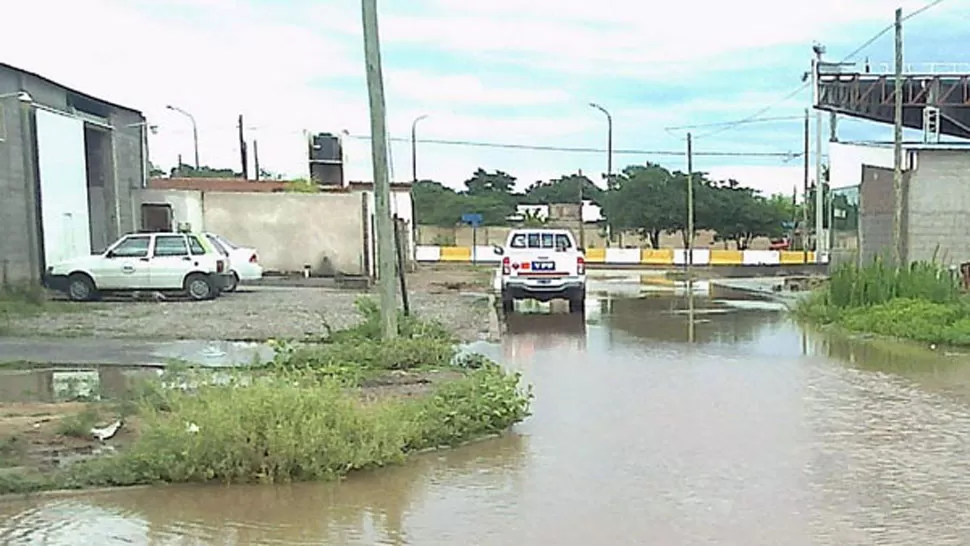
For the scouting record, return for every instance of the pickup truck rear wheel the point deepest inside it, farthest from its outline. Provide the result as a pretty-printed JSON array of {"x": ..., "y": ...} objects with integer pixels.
[
  {"x": 199, "y": 287},
  {"x": 508, "y": 304},
  {"x": 577, "y": 302}
]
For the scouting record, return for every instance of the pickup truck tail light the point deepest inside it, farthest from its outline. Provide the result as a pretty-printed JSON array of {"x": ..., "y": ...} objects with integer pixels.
[
  {"x": 506, "y": 266},
  {"x": 580, "y": 265},
  {"x": 253, "y": 259},
  {"x": 220, "y": 266}
]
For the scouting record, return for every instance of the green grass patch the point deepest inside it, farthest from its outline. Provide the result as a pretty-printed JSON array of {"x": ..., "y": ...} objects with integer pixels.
[
  {"x": 921, "y": 302},
  {"x": 296, "y": 419}
]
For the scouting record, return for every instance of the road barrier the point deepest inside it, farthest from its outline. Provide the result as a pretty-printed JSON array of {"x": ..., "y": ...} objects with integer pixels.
[{"x": 631, "y": 256}]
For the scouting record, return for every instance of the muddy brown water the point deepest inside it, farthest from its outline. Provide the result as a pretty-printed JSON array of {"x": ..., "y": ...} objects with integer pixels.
[{"x": 759, "y": 433}]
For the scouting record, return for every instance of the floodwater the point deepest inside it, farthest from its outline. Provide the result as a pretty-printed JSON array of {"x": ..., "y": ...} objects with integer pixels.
[{"x": 757, "y": 433}]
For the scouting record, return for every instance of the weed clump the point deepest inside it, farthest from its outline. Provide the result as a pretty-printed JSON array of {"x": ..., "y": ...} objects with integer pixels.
[{"x": 921, "y": 302}]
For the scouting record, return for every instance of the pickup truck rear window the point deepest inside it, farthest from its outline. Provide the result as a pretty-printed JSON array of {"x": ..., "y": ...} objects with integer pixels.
[{"x": 541, "y": 240}]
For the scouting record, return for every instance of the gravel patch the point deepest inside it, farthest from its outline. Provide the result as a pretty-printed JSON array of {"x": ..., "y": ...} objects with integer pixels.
[{"x": 255, "y": 313}]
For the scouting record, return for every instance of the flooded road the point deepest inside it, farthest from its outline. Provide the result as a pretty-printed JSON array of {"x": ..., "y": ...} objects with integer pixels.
[{"x": 758, "y": 433}]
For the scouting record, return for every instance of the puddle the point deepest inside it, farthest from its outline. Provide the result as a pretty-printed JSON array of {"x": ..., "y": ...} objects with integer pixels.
[{"x": 63, "y": 385}]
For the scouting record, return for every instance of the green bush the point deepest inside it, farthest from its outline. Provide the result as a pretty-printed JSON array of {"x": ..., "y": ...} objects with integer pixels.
[
  {"x": 294, "y": 427},
  {"x": 851, "y": 286},
  {"x": 410, "y": 327}
]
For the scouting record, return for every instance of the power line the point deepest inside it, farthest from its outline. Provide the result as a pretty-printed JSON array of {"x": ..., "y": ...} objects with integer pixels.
[
  {"x": 867, "y": 43},
  {"x": 577, "y": 149},
  {"x": 723, "y": 123}
]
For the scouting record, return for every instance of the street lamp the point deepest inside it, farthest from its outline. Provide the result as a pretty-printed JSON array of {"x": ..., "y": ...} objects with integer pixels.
[
  {"x": 195, "y": 131},
  {"x": 22, "y": 96},
  {"x": 609, "y": 159},
  {"x": 414, "y": 147}
]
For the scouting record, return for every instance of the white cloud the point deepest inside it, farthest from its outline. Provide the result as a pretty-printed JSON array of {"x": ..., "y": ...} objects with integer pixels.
[{"x": 290, "y": 69}]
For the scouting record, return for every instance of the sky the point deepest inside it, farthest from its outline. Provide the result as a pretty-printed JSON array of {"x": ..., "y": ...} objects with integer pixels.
[{"x": 498, "y": 72}]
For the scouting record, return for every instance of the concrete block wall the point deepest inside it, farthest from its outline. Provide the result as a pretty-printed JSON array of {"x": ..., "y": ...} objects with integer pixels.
[
  {"x": 15, "y": 243},
  {"x": 876, "y": 204},
  {"x": 938, "y": 211}
]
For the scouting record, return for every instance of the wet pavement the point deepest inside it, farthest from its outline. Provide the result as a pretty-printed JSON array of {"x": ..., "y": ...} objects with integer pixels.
[
  {"x": 757, "y": 433},
  {"x": 95, "y": 351}
]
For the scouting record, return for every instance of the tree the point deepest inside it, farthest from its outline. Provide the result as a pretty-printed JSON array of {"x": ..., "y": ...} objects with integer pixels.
[
  {"x": 435, "y": 204},
  {"x": 204, "y": 171},
  {"x": 565, "y": 189},
  {"x": 741, "y": 214},
  {"x": 640, "y": 199},
  {"x": 154, "y": 172}
]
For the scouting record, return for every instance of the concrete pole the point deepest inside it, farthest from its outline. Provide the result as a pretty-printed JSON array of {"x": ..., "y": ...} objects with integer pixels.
[
  {"x": 898, "y": 144},
  {"x": 414, "y": 148},
  {"x": 690, "y": 239},
  {"x": 819, "y": 186},
  {"x": 609, "y": 160},
  {"x": 805, "y": 180},
  {"x": 382, "y": 187}
]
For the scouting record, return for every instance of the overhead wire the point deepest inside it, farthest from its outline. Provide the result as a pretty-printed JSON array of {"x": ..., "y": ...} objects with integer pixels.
[{"x": 726, "y": 126}]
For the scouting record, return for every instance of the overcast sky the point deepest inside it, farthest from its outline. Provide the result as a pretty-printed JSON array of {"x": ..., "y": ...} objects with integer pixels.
[{"x": 501, "y": 71}]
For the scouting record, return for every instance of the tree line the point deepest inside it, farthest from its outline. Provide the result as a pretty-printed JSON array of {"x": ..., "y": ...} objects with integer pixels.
[{"x": 648, "y": 199}]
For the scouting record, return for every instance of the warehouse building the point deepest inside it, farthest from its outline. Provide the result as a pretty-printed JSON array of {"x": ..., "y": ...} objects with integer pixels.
[{"x": 70, "y": 168}]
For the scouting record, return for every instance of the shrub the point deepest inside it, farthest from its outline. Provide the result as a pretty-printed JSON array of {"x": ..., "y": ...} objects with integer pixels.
[
  {"x": 852, "y": 286},
  {"x": 410, "y": 327},
  {"x": 297, "y": 427}
]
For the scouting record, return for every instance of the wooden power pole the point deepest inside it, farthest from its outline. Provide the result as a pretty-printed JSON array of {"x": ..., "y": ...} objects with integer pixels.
[
  {"x": 382, "y": 186},
  {"x": 242, "y": 150},
  {"x": 898, "y": 145}
]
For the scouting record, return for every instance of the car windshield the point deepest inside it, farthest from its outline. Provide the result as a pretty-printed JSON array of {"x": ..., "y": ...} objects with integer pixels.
[{"x": 541, "y": 240}]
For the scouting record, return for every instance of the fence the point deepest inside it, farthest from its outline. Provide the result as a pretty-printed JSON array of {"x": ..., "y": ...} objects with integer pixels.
[{"x": 631, "y": 256}]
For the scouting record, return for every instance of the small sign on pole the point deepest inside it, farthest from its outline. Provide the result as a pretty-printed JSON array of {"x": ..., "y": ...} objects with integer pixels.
[{"x": 473, "y": 219}]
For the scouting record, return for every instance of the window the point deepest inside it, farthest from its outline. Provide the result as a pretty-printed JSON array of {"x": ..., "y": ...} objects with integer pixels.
[
  {"x": 198, "y": 249},
  {"x": 563, "y": 242},
  {"x": 215, "y": 242},
  {"x": 131, "y": 247},
  {"x": 518, "y": 241},
  {"x": 226, "y": 242},
  {"x": 170, "y": 245}
]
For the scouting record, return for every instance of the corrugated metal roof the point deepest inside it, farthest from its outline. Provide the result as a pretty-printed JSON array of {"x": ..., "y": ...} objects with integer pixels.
[{"x": 66, "y": 88}]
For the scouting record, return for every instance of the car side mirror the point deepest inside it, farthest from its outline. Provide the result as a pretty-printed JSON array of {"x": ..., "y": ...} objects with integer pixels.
[{"x": 498, "y": 250}]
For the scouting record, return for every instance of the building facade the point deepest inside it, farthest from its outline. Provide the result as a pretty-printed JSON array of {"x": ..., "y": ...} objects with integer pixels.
[
  {"x": 936, "y": 199},
  {"x": 70, "y": 165}
]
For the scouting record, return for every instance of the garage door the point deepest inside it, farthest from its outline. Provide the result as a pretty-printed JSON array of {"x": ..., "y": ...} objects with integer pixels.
[{"x": 63, "y": 187}]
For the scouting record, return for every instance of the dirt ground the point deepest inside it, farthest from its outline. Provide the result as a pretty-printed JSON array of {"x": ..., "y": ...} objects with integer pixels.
[
  {"x": 287, "y": 309},
  {"x": 38, "y": 436}
]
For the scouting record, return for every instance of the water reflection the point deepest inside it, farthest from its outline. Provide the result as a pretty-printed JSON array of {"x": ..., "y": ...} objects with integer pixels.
[
  {"x": 758, "y": 433},
  {"x": 367, "y": 508}
]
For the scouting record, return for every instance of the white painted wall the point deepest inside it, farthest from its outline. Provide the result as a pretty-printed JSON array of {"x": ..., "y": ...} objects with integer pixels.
[
  {"x": 846, "y": 160},
  {"x": 65, "y": 218}
]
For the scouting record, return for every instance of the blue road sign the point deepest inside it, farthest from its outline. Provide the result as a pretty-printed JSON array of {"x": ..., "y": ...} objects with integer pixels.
[{"x": 473, "y": 219}]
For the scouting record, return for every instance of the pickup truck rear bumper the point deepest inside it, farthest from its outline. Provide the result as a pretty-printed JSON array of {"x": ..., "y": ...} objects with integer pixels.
[{"x": 519, "y": 289}]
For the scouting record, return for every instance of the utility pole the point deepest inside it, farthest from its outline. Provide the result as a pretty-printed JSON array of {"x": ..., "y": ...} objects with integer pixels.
[
  {"x": 819, "y": 187},
  {"x": 414, "y": 147},
  {"x": 690, "y": 239},
  {"x": 609, "y": 160},
  {"x": 256, "y": 157},
  {"x": 805, "y": 192},
  {"x": 582, "y": 226},
  {"x": 382, "y": 186},
  {"x": 898, "y": 145},
  {"x": 195, "y": 131},
  {"x": 242, "y": 152}
]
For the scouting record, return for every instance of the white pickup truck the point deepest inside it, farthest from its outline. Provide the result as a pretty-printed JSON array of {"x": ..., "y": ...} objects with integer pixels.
[{"x": 542, "y": 264}]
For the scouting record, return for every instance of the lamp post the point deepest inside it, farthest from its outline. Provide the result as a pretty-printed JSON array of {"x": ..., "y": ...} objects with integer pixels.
[
  {"x": 609, "y": 159},
  {"x": 414, "y": 147},
  {"x": 22, "y": 96},
  {"x": 195, "y": 131}
]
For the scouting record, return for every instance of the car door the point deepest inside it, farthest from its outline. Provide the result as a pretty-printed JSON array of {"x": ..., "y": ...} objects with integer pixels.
[
  {"x": 125, "y": 265},
  {"x": 170, "y": 262}
]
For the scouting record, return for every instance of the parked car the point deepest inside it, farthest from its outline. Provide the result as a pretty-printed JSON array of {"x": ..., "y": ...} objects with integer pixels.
[
  {"x": 542, "y": 264},
  {"x": 161, "y": 262},
  {"x": 244, "y": 261}
]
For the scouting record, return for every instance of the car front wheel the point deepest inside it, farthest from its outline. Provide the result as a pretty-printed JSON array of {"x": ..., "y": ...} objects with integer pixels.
[{"x": 80, "y": 287}]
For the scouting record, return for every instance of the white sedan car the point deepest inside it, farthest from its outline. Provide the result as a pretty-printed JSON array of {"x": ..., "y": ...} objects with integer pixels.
[
  {"x": 160, "y": 262},
  {"x": 244, "y": 261}
]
